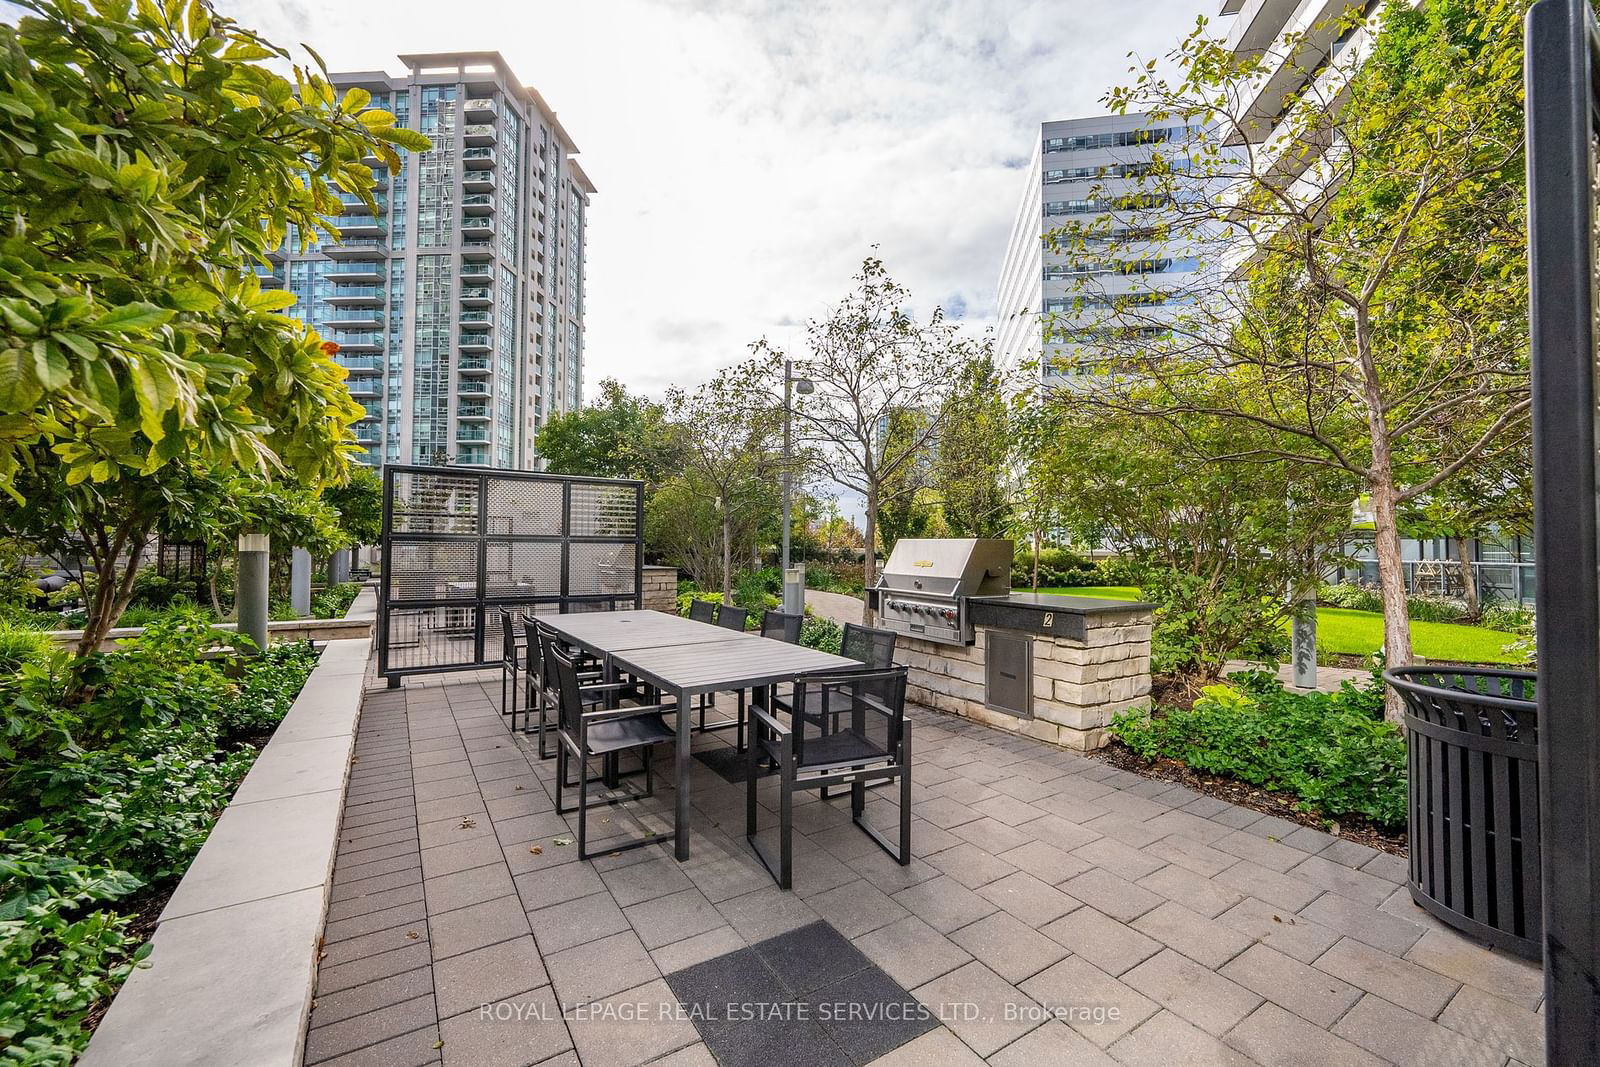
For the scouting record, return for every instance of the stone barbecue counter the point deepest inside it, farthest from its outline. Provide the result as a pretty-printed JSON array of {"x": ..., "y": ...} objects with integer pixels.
[{"x": 1052, "y": 667}]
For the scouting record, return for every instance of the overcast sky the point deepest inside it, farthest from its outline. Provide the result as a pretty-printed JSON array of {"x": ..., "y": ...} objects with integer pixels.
[{"x": 748, "y": 154}]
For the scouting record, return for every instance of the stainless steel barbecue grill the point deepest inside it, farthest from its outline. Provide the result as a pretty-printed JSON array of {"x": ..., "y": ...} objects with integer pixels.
[{"x": 925, "y": 586}]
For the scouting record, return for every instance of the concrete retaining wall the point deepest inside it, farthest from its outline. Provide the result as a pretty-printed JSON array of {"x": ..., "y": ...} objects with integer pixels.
[{"x": 234, "y": 956}]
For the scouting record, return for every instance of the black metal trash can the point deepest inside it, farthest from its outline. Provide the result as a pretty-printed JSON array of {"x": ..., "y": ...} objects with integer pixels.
[{"x": 1473, "y": 762}]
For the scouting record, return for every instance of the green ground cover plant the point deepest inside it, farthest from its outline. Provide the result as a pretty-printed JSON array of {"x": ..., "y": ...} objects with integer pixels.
[
  {"x": 1333, "y": 751},
  {"x": 104, "y": 801}
]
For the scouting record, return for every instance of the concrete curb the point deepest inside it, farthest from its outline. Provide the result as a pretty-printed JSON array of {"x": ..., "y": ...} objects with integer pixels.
[{"x": 234, "y": 957}]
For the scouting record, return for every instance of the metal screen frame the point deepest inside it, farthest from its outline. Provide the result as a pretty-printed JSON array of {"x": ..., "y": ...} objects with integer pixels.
[
  {"x": 1563, "y": 118},
  {"x": 474, "y": 593}
]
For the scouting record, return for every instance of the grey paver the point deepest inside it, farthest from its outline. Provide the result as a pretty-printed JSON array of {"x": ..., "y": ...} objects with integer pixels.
[
  {"x": 856, "y": 908},
  {"x": 1112, "y": 946},
  {"x": 1453, "y": 956},
  {"x": 487, "y": 975},
  {"x": 1405, "y": 1037},
  {"x": 1052, "y": 1045},
  {"x": 984, "y": 1010},
  {"x": 1193, "y": 992},
  {"x": 1008, "y": 947},
  {"x": 477, "y": 925},
  {"x": 1116, "y": 896},
  {"x": 1279, "y": 928},
  {"x": 1366, "y": 924},
  {"x": 970, "y": 865},
  {"x": 1208, "y": 943},
  {"x": 513, "y": 1032},
  {"x": 1277, "y": 1038},
  {"x": 1035, "y": 902},
  {"x": 600, "y": 968},
  {"x": 1090, "y": 1001},
  {"x": 1310, "y": 993},
  {"x": 912, "y": 952},
  {"x": 606, "y": 1036},
  {"x": 1502, "y": 1026},
  {"x": 1164, "y": 1040},
  {"x": 944, "y": 903}
]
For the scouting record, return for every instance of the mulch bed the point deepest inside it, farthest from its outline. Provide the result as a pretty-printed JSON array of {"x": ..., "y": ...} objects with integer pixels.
[{"x": 1266, "y": 801}]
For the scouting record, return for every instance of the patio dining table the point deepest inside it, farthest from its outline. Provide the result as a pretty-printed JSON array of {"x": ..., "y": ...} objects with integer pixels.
[{"x": 687, "y": 658}]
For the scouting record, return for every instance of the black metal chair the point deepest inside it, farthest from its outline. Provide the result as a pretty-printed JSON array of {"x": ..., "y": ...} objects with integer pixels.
[
  {"x": 862, "y": 737},
  {"x": 585, "y": 731},
  {"x": 510, "y": 665},
  {"x": 702, "y": 611},
  {"x": 873, "y": 647},
  {"x": 781, "y": 626},
  {"x": 732, "y": 618}
]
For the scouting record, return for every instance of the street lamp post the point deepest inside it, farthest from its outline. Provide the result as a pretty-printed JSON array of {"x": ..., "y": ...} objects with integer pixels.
[{"x": 793, "y": 583}]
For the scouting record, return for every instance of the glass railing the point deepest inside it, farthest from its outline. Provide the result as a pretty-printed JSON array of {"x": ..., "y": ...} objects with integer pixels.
[
  {"x": 362, "y": 338},
  {"x": 476, "y": 316},
  {"x": 356, "y": 222},
  {"x": 471, "y": 435},
  {"x": 352, "y": 200},
  {"x": 478, "y": 129},
  {"x": 354, "y": 268},
  {"x": 357, "y": 292},
  {"x": 475, "y": 275},
  {"x": 473, "y": 411},
  {"x": 358, "y": 363},
  {"x": 354, "y": 319},
  {"x": 477, "y": 200},
  {"x": 477, "y": 292},
  {"x": 357, "y": 244},
  {"x": 473, "y": 340},
  {"x": 478, "y": 153},
  {"x": 469, "y": 225},
  {"x": 472, "y": 364},
  {"x": 482, "y": 104}
]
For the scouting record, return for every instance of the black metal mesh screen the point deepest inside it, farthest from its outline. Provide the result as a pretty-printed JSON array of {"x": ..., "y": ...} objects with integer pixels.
[{"x": 460, "y": 545}]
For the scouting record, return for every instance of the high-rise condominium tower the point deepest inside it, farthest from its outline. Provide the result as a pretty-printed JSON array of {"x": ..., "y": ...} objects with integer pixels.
[
  {"x": 1049, "y": 301},
  {"x": 458, "y": 306}
]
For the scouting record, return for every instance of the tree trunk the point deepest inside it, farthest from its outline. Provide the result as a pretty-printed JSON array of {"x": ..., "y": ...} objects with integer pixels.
[
  {"x": 1037, "y": 535},
  {"x": 113, "y": 589},
  {"x": 1469, "y": 580},
  {"x": 869, "y": 563},
  {"x": 1392, "y": 589},
  {"x": 727, "y": 558}
]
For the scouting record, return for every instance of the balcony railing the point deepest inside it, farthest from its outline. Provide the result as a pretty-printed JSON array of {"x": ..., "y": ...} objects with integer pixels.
[
  {"x": 473, "y": 365},
  {"x": 477, "y": 203},
  {"x": 478, "y": 158},
  {"x": 477, "y": 316},
  {"x": 473, "y": 342},
  {"x": 356, "y": 364},
  {"x": 475, "y": 272},
  {"x": 472, "y": 411},
  {"x": 478, "y": 181},
  {"x": 480, "y": 109},
  {"x": 476, "y": 295},
  {"x": 466, "y": 434},
  {"x": 358, "y": 294},
  {"x": 370, "y": 341},
  {"x": 359, "y": 225},
  {"x": 357, "y": 248},
  {"x": 479, "y": 133},
  {"x": 354, "y": 319}
]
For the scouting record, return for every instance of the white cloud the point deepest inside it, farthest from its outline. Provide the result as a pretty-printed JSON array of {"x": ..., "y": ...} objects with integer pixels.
[{"x": 748, "y": 154}]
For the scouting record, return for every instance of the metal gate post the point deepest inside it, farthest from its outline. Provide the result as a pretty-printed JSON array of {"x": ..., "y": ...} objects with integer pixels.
[{"x": 1561, "y": 116}]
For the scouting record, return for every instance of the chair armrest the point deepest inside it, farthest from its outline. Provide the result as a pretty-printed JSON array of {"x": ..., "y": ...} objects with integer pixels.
[
  {"x": 591, "y": 718},
  {"x": 761, "y": 715},
  {"x": 606, "y": 687}
]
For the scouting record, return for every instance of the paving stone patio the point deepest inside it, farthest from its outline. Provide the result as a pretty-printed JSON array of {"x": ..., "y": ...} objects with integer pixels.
[{"x": 1059, "y": 910}]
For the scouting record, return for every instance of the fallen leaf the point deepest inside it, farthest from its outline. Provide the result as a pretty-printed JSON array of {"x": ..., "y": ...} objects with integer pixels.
[
  {"x": 537, "y": 850},
  {"x": 438, "y": 1044},
  {"x": 519, "y": 789},
  {"x": 412, "y": 935},
  {"x": 468, "y": 822}
]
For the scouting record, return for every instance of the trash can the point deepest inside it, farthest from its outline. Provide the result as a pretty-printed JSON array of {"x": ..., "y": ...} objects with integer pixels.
[{"x": 1473, "y": 771}]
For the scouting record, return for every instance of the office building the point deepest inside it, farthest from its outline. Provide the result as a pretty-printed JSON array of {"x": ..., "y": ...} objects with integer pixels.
[
  {"x": 1051, "y": 302},
  {"x": 458, "y": 305}
]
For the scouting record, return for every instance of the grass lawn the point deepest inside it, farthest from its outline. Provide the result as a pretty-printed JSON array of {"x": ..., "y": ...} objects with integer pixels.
[{"x": 1341, "y": 631}]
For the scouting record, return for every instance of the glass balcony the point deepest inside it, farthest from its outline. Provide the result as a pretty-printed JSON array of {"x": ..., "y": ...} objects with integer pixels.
[
  {"x": 354, "y": 295},
  {"x": 471, "y": 342},
  {"x": 474, "y": 412},
  {"x": 478, "y": 158},
  {"x": 355, "y": 318},
  {"x": 270, "y": 277},
  {"x": 357, "y": 248},
  {"x": 480, "y": 227},
  {"x": 482, "y": 109},
  {"x": 479, "y": 133},
  {"x": 472, "y": 433},
  {"x": 358, "y": 226},
  {"x": 365, "y": 388},
  {"x": 471, "y": 388},
  {"x": 473, "y": 365},
  {"x": 369, "y": 433},
  {"x": 355, "y": 206},
  {"x": 477, "y": 248},
  {"x": 478, "y": 181},
  {"x": 477, "y": 296},
  {"x": 354, "y": 271},
  {"x": 475, "y": 273},
  {"x": 469, "y": 318},
  {"x": 360, "y": 364},
  {"x": 477, "y": 204},
  {"x": 360, "y": 342},
  {"x": 473, "y": 457}
]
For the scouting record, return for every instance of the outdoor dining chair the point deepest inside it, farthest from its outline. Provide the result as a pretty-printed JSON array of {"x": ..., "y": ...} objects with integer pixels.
[
  {"x": 732, "y": 618},
  {"x": 586, "y": 731},
  {"x": 702, "y": 611},
  {"x": 861, "y": 738},
  {"x": 510, "y": 665},
  {"x": 873, "y": 647},
  {"x": 781, "y": 626}
]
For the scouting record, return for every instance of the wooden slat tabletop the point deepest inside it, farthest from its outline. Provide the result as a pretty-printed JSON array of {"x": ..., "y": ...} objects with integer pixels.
[{"x": 738, "y": 663}]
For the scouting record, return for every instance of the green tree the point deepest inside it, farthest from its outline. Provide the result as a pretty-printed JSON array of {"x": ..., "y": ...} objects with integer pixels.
[
  {"x": 1365, "y": 298},
  {"x": 1222, "y": 549},
  {"x": 148, "y": 162},
  {"x": 904, "y": 509},
  {"x": 619, "y": 436},
  {"x": 731, "y": 459},
  {"x": 359, "y": 502},
  {"x": 973, "y": 457},
  {"x": 872, "y": 361}
]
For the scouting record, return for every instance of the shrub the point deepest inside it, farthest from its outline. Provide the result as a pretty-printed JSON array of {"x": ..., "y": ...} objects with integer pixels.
[
  {"x": 824, "y": 635},
  {"x": 759, "y": 590},
  {"x": 1510, "y": 617},
  {"x": 1200, "y": 624},
  {"x": 334, "y": 601},
  {"x": 1333, "y": 751},
  {"x": 23, "y": 642},
  {"x": 268, "y": 689},
  {"x": 684, "y": 600},
  {"x": 1350, "y": 595},
  {"x": 1423, "y": 607}
]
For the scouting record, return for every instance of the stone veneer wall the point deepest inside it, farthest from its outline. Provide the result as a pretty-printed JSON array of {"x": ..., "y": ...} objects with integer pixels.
[
  {"x": 661, "y": 589},
  {"x": 1077, "y": 685}
]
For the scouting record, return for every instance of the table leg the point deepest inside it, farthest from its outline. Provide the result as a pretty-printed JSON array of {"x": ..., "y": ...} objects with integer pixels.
[{"x": 681, "y": 817}]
